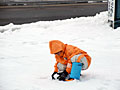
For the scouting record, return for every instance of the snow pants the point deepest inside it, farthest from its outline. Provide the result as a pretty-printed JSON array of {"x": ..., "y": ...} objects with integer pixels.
[
  {"x": 62, "y": 67},
  {"x": 83, "y": 61}
]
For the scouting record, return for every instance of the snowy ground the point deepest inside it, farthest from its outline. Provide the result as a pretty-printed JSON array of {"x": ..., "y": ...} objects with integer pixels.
[{"x": 26, "y": 63}]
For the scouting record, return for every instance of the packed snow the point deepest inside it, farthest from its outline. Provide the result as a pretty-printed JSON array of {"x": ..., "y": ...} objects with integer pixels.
[{"x": 26, "y": 62}]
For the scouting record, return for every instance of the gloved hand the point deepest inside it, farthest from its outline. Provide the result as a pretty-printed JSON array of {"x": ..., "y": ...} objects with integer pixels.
[
  {"x": 53, "y": 75},
  {"x": 63, "y": 76}
]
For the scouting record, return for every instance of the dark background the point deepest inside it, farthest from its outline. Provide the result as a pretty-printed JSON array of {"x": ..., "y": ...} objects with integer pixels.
[{"x": 34, "y": 13}]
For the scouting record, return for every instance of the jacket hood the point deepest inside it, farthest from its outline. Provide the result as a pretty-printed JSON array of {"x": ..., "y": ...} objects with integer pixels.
[{"x": 56, "y": 46}]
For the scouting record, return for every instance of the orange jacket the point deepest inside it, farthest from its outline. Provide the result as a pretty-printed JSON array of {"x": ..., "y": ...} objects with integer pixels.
[{"x": 69, "y": 51}]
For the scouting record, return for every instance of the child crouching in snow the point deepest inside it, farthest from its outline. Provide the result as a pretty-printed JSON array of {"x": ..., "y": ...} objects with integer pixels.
[{"x": 65, "y": 56}]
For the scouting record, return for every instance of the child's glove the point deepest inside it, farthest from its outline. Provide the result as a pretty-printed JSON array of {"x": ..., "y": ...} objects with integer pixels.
[
  {"x": 53, "y": 75},
  {"x": 63, "y": 76}
]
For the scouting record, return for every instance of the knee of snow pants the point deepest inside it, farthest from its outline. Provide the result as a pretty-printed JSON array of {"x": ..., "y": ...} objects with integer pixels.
[
  {"x": 82, "y": 60},
  {"x": 61, "y": 67}
]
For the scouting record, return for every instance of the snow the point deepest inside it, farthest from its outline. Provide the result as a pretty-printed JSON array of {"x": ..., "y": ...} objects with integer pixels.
[{"x": 26, "y": 62}]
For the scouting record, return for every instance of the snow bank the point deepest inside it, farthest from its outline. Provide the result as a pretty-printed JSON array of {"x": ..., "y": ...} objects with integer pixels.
[{"x": 26, "y": 63}]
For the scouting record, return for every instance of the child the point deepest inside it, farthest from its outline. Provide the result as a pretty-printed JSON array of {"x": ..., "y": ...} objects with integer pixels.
[{"x": 65, "y": 55}]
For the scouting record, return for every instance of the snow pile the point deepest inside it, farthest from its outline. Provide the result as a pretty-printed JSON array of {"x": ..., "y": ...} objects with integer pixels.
[{"x": 26, "y": 63}]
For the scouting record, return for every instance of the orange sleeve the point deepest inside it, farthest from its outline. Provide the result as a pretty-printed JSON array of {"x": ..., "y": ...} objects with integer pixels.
[
  {"x": 55, "y": 67},
  {"x": 69, "y": 67}
]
